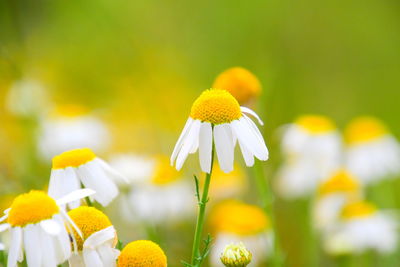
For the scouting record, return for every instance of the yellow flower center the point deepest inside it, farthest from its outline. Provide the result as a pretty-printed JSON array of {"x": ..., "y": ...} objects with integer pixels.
[
  {"x": 89, "y": 220},
  {"x": 241, "y": 83},
  {"x": 216, "y": 106},
  {"x": 142, "y": 253},
  {"x": 236, "y": 217},
  {"x": 71, "y": 110},
  {"x": 73, "y": 158},
  {"x": 358, "y": 210},
  {"x": 364, "y": 129},
  {"x": 32, "y": 207},
  {"x": 164, "y": 173},
  {"x": 341, "y": 181},
  {"x": 315, "y": 124}
]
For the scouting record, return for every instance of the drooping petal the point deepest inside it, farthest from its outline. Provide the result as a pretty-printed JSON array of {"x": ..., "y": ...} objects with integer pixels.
[
  {"x": 92, "y": 258},
  {"x": 4, "y": 226},
  {"x": 52, "y": 227},
  {"x": 205, "y": 147},
  {"x": 15, "y": 251},
  {"x": 47, "y": 249},
  {"x": 108, "y": 255},
  {"x": 100, "y": 238},
  {"x": 188, "y": 143},
  {"x": 32, "y": 245},
  {"x": 75, "y": 195},
  {"x": 251, "y": 112},
  {"x": 247, "y": 155},
  {"x": 181, "y": 138},
  {"x": 224, "y": 146}
]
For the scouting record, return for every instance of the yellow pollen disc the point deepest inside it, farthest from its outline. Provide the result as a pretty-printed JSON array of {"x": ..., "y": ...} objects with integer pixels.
[
  {"x": 89, "y": 220},
  {"x": 164, "y": 173},
  {"x": 241, "y": 83},
  {"x": 341, "y": 181},
  {"x": 73, "y": 158},
  {"x": 142, "y": 253},
  {"x": 239, "y": 218},
  {"x": 216, "y": 106},
  {"x": 364, "y": 129},
  {"x": 32, "y": 207},
  {"x": 315, "y": 124},
  {"x": 359, "y": 209},
  {"x": 71, "y": 110}
]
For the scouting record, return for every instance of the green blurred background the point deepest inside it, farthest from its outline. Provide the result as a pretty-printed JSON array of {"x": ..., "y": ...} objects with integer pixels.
[{"x": 144, "y": 62}]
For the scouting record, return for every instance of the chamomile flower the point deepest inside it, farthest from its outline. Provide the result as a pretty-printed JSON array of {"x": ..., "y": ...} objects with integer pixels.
[
  {"x": 142, "y": 253},
  {"x": 158, "y": 193},
  {"x": 38, "y": 225},
  {"x": 311, "y": 148},
  {"x": 372, "y": 153},
  {"x": 97, "y": 245},
  {"x": 362, "y": 227},
  {"x": 216, "y": 117},
  {"x": 232, "y": 221},
  {"x": 81, "y": 166},
  {"x": 236, "y": 255},
  {"x": 241, "y": 83},
  {"x": 333, "y": 194},
  {"x": 70, "y": 127}
]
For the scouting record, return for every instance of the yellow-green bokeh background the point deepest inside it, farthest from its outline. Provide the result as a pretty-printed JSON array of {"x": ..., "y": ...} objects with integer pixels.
[{"x": 142, "y": 63}]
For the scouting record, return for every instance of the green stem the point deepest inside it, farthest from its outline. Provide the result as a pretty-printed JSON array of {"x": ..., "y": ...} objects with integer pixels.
[
  {"x": 201, "y": 215},
  {"x": 88, "y": 202}
]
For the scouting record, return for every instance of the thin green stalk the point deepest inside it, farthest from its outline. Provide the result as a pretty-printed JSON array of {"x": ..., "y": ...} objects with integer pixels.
[{"x": 201, "y": 215}]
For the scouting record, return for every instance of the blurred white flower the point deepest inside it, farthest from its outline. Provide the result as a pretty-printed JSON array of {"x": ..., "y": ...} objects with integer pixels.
[
  {"x": 372, "y": 153},
  {"x": 71, "y": 127},
  {"x": 362, "y": 227}
]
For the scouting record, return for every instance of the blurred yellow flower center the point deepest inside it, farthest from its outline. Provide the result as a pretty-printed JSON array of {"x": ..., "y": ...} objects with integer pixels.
[
  {"x": 71, "y": 110},
  {"x": 315, "y": 124},
  {"x": 225, "y": 184},
  {"x": 364, "y": 129},
  {"x": 216, "y": 106},
  {"x": 32, "y": 207},
  {"x": 236, "y": 217},
  {"x": 73, "y": 158},
  {"x": 142, "y": 253},
  {"x": 89, "y": 220},
  {"x": 341, "y": 181},
  {"x": 241, "y": 83},
  {"x": 164, "y": 173},
  {"x": 358, "y": 210}
]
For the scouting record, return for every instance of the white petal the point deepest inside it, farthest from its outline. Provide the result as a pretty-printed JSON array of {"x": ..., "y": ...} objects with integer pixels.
[
  {"x": 181, "y": 138},
  {"x": 63, "y": 182},
  {"x": 251, "y": 112},
  {"x": 100, "y": 238},
  {"x": 224, "y": 146},
  {"x": 91, "y": 258},
  {"x": 47, "y": 250},
  {"x": 247, "y": 155},
  {"x": 118, "y": 177},
  {"x": 77, "y": 194},
  {"x": 63, "y": 242},
  {"x": 108, "y": 255},
  {"x": 71, "y": 222},
  {"x": 2, "y": 247},
  {"x": 205, "y": 146},
  {"x": 4, "y": 226},
  {"x": 76, "y": 260},
  {"x": 15, "y": 250},
  {"x": 32, "y": 245},
  {"x": 52, "y": 227},
  {"x": 4, "y": 217},
  {"x": 188, "y": 143}
]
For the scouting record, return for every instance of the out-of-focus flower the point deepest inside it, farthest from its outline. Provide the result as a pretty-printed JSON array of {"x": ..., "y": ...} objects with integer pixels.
[
  {"x": 234, "y": 221},
  {"x": 236, "y": 255},
  {"x": 362, "y": 227},
  {"x": 241, "y": 83},
  {"x": 333, "y": 194},
  {"x": 311, "y": 148},
  {"x": 97, "y": 247},
  {"x": 217, "y": 117},
  {"x": 71, "y": 168},
  {"x": 372, "y": 153},
  {"x": 142, "y": 253},
  {"x": 158, "y": 193},
  {"x": 70, "y": 127},
  {"x": 27, "y": 98},
  {"x": 228, "y": 185},
  {"x": 37, "y": 225}
]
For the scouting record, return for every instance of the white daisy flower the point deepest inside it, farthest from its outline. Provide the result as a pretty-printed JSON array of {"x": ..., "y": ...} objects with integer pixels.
[
  {"x": 332, "y": 195},
  {"x": 81, "y": 166},
  {"x": 233, "y": 222},
  {"x": 372, "y": 153},
  {"x": 38, "y": 226},
  {"x": 97, "y": 247},
  {"x": 70, "y": 127},
  {"x": 311, "y": 148},
  {"x": 362, "y": 228},
  {"x": 217, "y": 117},
  {"x": 158, "y": 192}
]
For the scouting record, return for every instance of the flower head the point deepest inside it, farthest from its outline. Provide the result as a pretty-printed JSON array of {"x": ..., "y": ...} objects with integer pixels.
[
  {"x": 241, "y": 83},
  {"x": 216, "y": 117},
  {"x": 236, "y": 255},
  {"x": 142, "y": 253}
]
